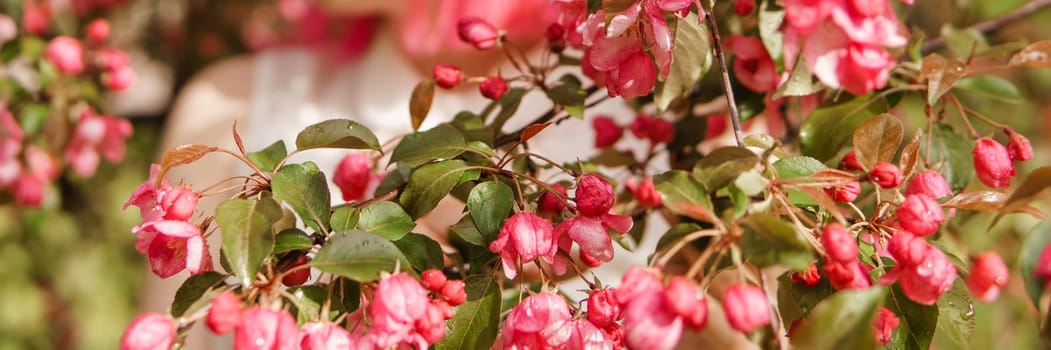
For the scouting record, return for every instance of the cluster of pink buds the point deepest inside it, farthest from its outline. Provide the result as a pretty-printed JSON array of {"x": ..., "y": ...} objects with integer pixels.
[
  {"x": 355, "y": 178},
  {"x": 842, "y": 266},
  {"x": 448, "y": 76},
  {"x": 645, "y": 127},
  {"x": 170, "y": 241},
  {"x": 994, "y": 163},
  {"x": 68, "y": 56}
]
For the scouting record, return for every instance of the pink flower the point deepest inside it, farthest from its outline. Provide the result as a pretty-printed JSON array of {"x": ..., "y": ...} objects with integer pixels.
[
  {"x": 29, "y": 190},
  {"x": 840, "y": 245},
  {"x": 524, "y": 238},
  {"x": 922, "y": 270},
  {"x": 886, "y": 322},
  {"x": 172, "y": 246},
  {"x": 66, "y": 54},
  {"x": 323, "y": 336},
  {"x": 651, "y": 323},
  {"x": 645, "y": 193},
  {"x": 8, "y": 29},
  {"x": 119, "y": 79},
  {"x": 594, "y": 195},
  {"x": 886, "y": 175},
  {"x": 493, "y": 87},
  {"x": 149, "y": 332},
  {"x": 398, "y": 304},
  {"x": 920, "y": 214},
  {"x": 541, "y": 321},
  {"x": 447, "y": 76},
  {"x": 603, "y": 308},
  {"x": 590, "y": 233},
  {"x": 225, "y": 313},
  {"x": 94, "y": 135},
  {"x": 112, "y": 59},
  {"x": 686, "y": 300},
  {"x": 1018, "y": 148},
  {"x": 264, "y": 328},
  {"x": 550, "y": 204},
  {"x": 586, "y": 336},
  {"x": 845, "y": 193},
  {"x": 477, "y": 32},
  {"x": 636, "y": 281},
  {"x": 746, "y": 307},
  {"x": 98, "y": 31},
  {"x": 36, "y": 15},
  {"x": 744, "y": 7},
  {"x": 354, "y": 177},
  {"x": 992, "y": 163},
  {"x": 809, "y": 277},
  {"x": 850, "y": 162},
  {"x": 930, "y": 183},
  {"x": 433, "y": 279},
  {"x": 987, "y": 276},
  {"x": 607, "y": 132},
  {"x": 840, "y": 63},
  {"x": 753, "y": 66},
  {"x": 651, "y": 128},
  {"x": 626, "y": 68}
]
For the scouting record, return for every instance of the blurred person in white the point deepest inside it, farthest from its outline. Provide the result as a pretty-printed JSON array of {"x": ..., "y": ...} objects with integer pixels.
[{"x": 277, "y": 92}]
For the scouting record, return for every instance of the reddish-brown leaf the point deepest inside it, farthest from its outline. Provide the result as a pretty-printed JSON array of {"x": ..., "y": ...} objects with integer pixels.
[
  {"x": 977, "y": 200},
  {"x": 1037, "y": 55},
  {"x": 910, "y": 155},
  {"x": 941, "y": 73},
  {"x": 420, "y": 102},
  {"x": 237, "y": 139},
  {"x": 878, "y": 139},
  {"x": 182, "y": 155},
  {"x": 532, "y": 130},
  {"x": 1031, "y": 188}
]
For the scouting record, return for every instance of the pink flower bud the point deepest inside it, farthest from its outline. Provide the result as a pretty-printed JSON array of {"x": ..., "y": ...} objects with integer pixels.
[
  {"x": 746, "y": 307},
  {"x": 453, "y": 292},
  {"x": 923, "y": 271},
  {"x": 399, "y": 306},
  {"x": 683, "y": 297},
  {"x": 477, "y": 32},
  {"x": 809, "y": 277},
  {"x": 225, "y": 313},
  {"x": 352, "y": 176},
  {"x": 645, "y": 193},
  {"x": 29, "y": 190},
  {"x": 850, "y": 162},
  {"x": 431, "y": 327},
  {"x": 322, "y": 336},
  {"x": 1043, "y": 265},
  {"x": 550, "y": 204},
  {"x": 148, "y": 332},
  {"x": 264, "y": 328},
  {"x": 650, "y": 323},
  {"x": 845, "y": 193},
  {"x": 594, "y": 195},
  {"x": 556, "y": 37},
  {"x": 178, "y": 203},
  {"x": 1018, "y": 148},
  {"x": 119, "y": 79},
  {"x": 493, "y": 87},
  {"x": 98, "y": 31},
  {"x": 661, "y": 131},
  {"x": 839, "y": 244},
  {"x": 607, "y": 132},
  {"x": 35, "y": 17},
  {"x": 992, "y": 163},
  {"x": 886, "y": 175},
  {"x": 66, "y": 54},
  {"x": 433, "y": 280},
  {"x": 847, "y": 275},
  {"x": 112, "y": 59},
  {"x": 920, "y": 214},
  {"x": 524, "y": 237},
  {"x": 886, "y": 322},
  {"x": 988, "y": 275},
  {"x": 603, "y": 308},
  {"x": 744, "y": 7},
  {"x": 447, "y": 76},
  {"x": 930, "y": 183},
  {"x": 716, "y": 125},
  {"x": 637, "y": 280}
]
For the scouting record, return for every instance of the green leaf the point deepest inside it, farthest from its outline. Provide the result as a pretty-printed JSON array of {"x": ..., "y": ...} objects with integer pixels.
[
  {"x": 385, "y": 219},
  {"x": 192, "y": 294},
  {"x": 961, "y": 41},
  {"x": 394, "y": 179},
  {"x": 827, "y": 129},
  {"x": 247, "y": 235},
  {"x": 798, "y": 166},
  {"x": 769, "y": 240},
  {"x": 337, "y": 133},
  {"x": 429, "y": 184},
  {"x": 692, "y": 58},
  {"x": 467, "y": 231},
  {"x": 358, "y": 255},
  {"x": 674, "y": 234},
  {"x": 795, "y": 302},
  {"x": 490, "y": 203},
  {"x": 305, "y": 189},
  {"x": 843, "y": 321},
  {"x": 720, "y": 167},
  {"x": 877, "y": 140},
  {"x": 477, "y": 321},
  {"x": 683, "y": 195},
  {"x": 308, "y": 301},
  {"x": 421, "y": 251},
  {"x": 800, "y": 82},
  {"x": 1029, "y": 257},
  {"x": 441, "y": 142},
  {"x": 569, "y": 95},
  {"x": 771, "y": 16},
  {"x": 613, "y": 158},
  {"x": 32, "y": 117},
  {"x": 292, "y": 239},
  {"x": 951, "y": 153},
  {"x": 268, "y": 158},
  {"x": 508, "y": 106},
  {"x": 344, "y": 218},
  {"x": 993, "y": 87},
  {"x": 956, "y": 315},
  {"x": 917, "y": 322}
]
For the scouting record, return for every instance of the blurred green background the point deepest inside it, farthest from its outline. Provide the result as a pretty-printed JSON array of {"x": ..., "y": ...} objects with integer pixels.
[{"x": 71, "y": 276}]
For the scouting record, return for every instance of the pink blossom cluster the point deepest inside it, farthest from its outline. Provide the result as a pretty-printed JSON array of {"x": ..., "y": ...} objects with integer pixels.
[
  {"x": 72, "y": 57},
  {"x": 527, "y": 237},
  {"x": 993, "y": 163},
  {"x": 842, "y": 41},
  {"x": 170, "y": 241},
  {"x": 653, "y": 129}
]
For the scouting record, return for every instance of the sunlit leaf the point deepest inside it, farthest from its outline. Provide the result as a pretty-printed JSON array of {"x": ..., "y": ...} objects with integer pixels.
[
  {"x": 268, "y": 158},
  {"x": 337, "y": 133},
  {"x": 385, "y": 219},
  {"x": 441, "y": 142},
  {"x": 247, "y": 235},
  {"x": 720, "y": 167},
  {"x": 827, "y": 129},
  {"x": 182, "y": 155},
  {"x": 305, "y": 189},
  {"x": 420, "y": 102}
]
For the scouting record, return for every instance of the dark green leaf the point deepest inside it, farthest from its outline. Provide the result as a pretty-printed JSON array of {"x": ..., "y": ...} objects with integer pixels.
[
  {"x": 421, "y": 251},
  {"x": 956, "y": 315},
  {"x": 723, "y": 165},
  {"x": 827, "y": 129},
  {"x": 569, "y": 95},
  {"x": 247, "y": 235},
  {"x": 917, "y": 322},
  {"x": 385, "y": 219},
  {"x": 795, "y": 302},
  {"x": 394, "y": 179},
  {"x": 509, "y": 103},
  {"x": 490, "y": 203},
  {"x": 191, "y": 295},
  {"x": 429, "y": 184},
  {"x": 951, "y": 153},
  {"x": 305, "y": 189},
  {"x": 613, "y": 158},
  {"x": 692, "y": 58},
  {"x": 337, "y": 133},
  {"x": 769, "y": 240},
  {"x": 684, "y": 196},
  {"x": 308, "y": 301},
  {"x": 420, "y": 102},
  {"x": 268, "y": 158},
  {"x": 357, "y": 255},
  {"x": 843, "y": 321},
  {"x": 1029, "y": 256},
  {"x": 466, "y": 231},
  {"x": 344, "y": 218},
  {"x": 476, "y": 322},
  {"x": 441, "y": 142},
  {"x": 877, "y": 140},
  {"x": 292, "y": 239}
]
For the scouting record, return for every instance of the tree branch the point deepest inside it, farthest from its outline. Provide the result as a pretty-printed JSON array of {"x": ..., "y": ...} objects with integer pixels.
[
  {"x": 992, "y": 24},
  {"x": 735, "y": 117}
]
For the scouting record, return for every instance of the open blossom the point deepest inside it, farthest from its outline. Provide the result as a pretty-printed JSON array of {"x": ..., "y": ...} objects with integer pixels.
[
  {"x": 172, "y": 246},
  {"x": 266, "y": 329},
  {"x": 920, "y": 214},
  {"x": 746, "y": 307},
  {"x": 987, "y": 276},
  {"x": 654, "y": 315},
  {"x": 650, "y": 322},
  {"x": 753, "y": 66},
  {"x": 541, "y": 321},
  {"x": 886, "y": 322},
  {"x": 922, "y": 270},
  {"x": 524, "y": 238},
  {"x": 149, "y": 332},
  {"x": 586, "y": 336},
  {"x": 645, "y": 192},
  {"x": 992, "y": 163},
  {"x": 403, "y": 315}
]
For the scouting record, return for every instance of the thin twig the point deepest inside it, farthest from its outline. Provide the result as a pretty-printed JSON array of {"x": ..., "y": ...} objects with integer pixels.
[
  {"x": 735, "y": 117},
  {"x": 992, "y": 24}
]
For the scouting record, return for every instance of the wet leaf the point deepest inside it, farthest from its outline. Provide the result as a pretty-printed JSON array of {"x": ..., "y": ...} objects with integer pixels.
[
  {"x": 420, "y": 102},
  {"x": 344, "y": 218},
  {"x": 956, "y": 316},
  {"x": 910, "y": 155},
  {"x": 941, "y": 74},
  {"x": 477, "y": 321},
  {"x": 247, "y": 235},
  {"x": 843, "y": 321},
  {"x": 490, "y": 204},
  {"x": 358, "y": 255},
  {"x": 429, "y": 184},
  {"x": 877, "y": 140},
  {"x": 421, "y": 251},
  {"x": 917, "y": 323},
  {"x": 337, "y": 133},
  {"x": 441, "y": 142}
]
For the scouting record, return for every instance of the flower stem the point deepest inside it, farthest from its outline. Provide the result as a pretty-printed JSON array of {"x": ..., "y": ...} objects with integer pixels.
[{"x": 735, "y": 117}]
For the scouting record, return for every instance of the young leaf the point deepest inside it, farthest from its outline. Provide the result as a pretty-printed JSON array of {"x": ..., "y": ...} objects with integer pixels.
[
  {"x": 1034, "y": 184},
  {"x": 385, "y": 219},
  {"x": 268, "y": 158},
  {"x": 490, "y": 203},
  {"x": 977, "y": 200},
  {"x": 910, "y": 155},
  {"x": 420, "y": 102},
  {"x": 1036, "y": 55},
  {"x": 877, "y": 140},
  {"x": 692, "y": 58},
  {"x": 337, "y": 133},
  {"x": 358, "y": 255},
  {"x": 722, "y": 166},
  {"x": 429, "y": 184},
  {"x": 441, "y": 142},
  {"x": 843, "y": 321},
  {"x": 305, "y": 189},
  {"x": 247, "y": 235},
  {"x": 194, "y": 293},
  {"x": 768, "y": 240},
  {"x": 941, "y": 74},
  {"x": 477, "y": 321},
  {"x": 292, "y": 239},
  {"x": 421, "y": 251},
  {"x": 182, "y": 155},
  {"x": 532, "y": 130}
]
